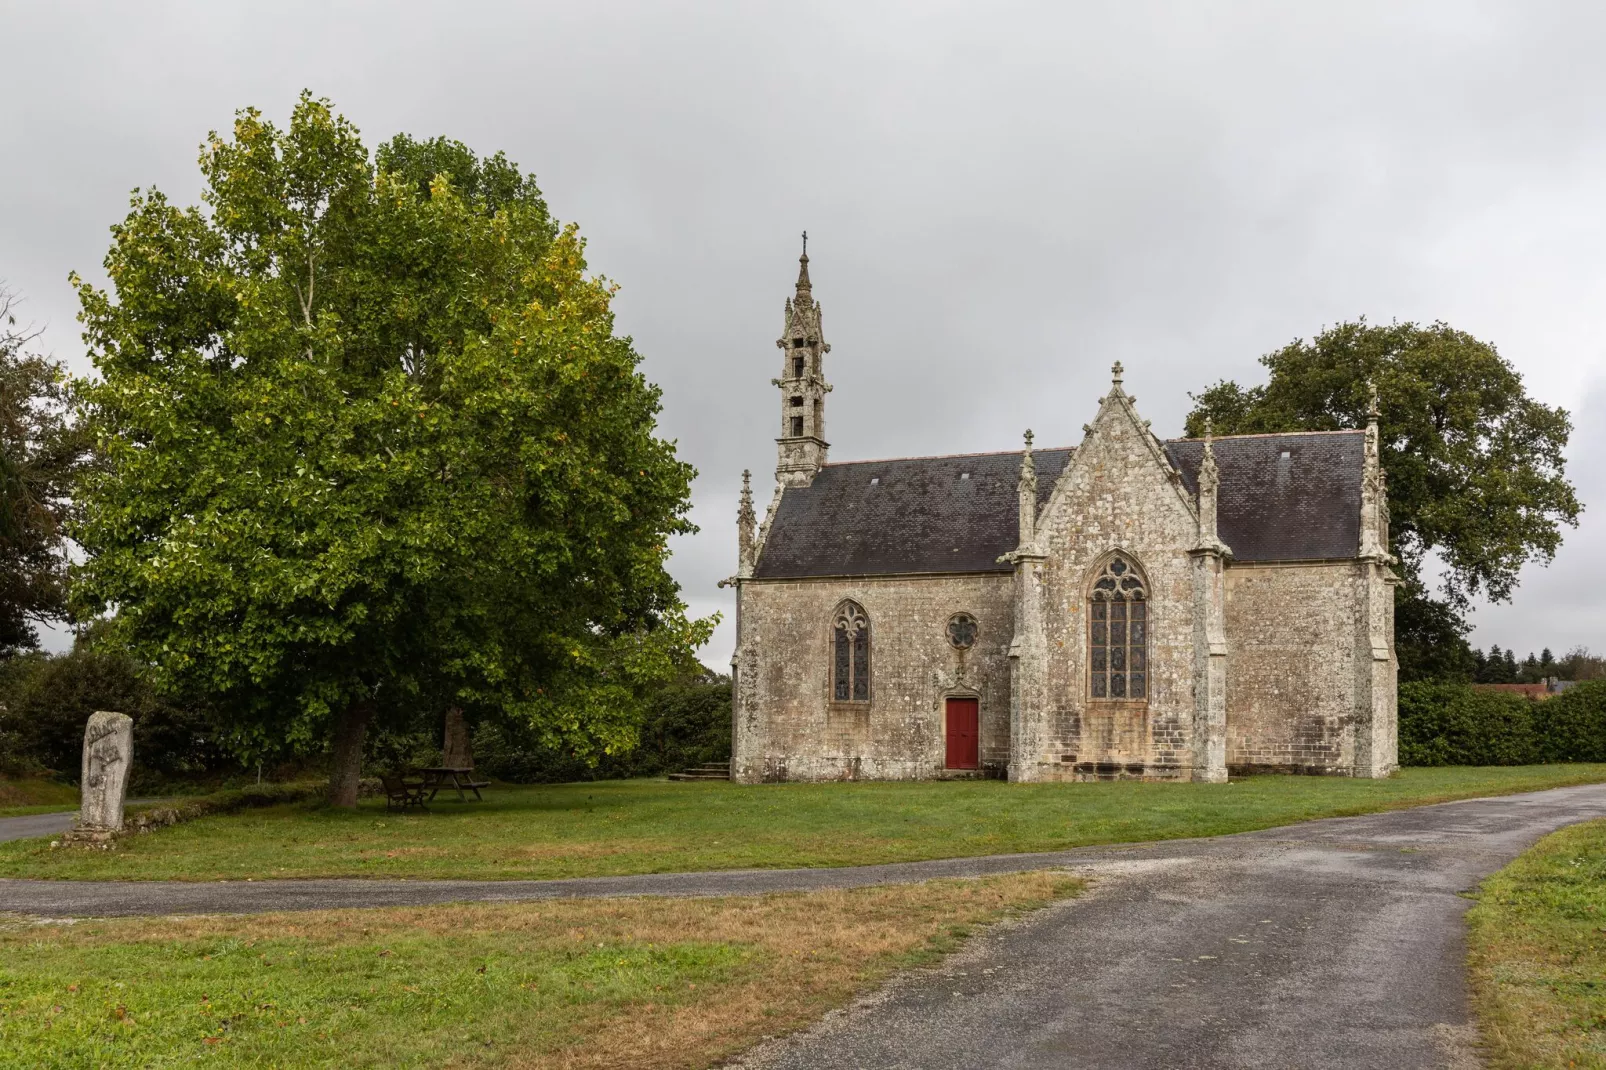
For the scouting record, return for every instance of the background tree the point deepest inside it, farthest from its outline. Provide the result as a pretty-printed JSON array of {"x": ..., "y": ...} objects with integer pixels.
[
  {"x": 46, "y": 700},
  {"x": 1476, "y": 473},
  {"x": 1580, "y": 664},
  {"x": 368, "y": 446},
  {"x": 39, "y": 452}
]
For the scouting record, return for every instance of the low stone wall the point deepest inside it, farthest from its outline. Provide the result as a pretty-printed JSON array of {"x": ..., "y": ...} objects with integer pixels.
[{"x": 222, "y": 802}]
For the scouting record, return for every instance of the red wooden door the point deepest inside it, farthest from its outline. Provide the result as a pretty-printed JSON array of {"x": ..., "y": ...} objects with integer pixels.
[{"x": 963, "y": 734}]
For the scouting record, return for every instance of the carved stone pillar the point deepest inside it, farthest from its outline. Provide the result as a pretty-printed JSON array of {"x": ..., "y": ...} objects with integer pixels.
[
  {"x": 1209, "y": 667},
  {"x": 1209, "y": 630},
  {"x": 1028, "y": 652},
  {"x": 108, "y": 756},
  {"x": 1375, "y": 717}
]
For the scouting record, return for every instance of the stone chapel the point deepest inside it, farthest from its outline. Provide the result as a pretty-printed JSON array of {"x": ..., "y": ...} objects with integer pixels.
[{"x": 1129, "y": 607}]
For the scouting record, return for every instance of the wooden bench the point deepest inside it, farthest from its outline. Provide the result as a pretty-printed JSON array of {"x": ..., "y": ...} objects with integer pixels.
[{"x": 403, "y": 792}]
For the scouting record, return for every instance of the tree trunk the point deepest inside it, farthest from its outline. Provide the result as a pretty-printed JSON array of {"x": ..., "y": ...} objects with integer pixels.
[{"x": 347, "y": 767}]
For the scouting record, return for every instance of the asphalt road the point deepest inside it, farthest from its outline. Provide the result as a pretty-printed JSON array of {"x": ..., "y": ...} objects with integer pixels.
[
  {"x": 25, "y": 828},
  {"x": 1337, "y": 943}
]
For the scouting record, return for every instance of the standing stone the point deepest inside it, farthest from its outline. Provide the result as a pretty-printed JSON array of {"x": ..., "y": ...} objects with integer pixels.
[
  {"x": 457, "y": 752},
  {"x": 108, "y": 753}
]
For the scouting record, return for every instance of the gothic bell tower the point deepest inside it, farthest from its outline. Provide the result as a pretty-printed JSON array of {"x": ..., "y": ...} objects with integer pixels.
[{"x": 801, "y": 447}]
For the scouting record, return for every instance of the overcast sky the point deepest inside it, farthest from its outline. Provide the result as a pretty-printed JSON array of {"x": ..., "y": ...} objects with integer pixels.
[{"x": 1001, "y": 199}]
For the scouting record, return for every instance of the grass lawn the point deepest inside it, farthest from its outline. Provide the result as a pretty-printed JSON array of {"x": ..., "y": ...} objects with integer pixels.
[
  {"x": 1538, "y": 954},
  {"x": 652, "y": 826},
  {"x": 566, "y": 983},
  {"x": 35, "y": 796}
]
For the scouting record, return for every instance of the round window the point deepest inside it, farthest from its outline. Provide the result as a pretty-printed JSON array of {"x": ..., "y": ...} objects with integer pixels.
[{"x": 961, "y": 631}]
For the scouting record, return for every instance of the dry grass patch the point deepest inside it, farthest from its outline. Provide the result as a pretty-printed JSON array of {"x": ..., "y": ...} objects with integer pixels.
[
  {"x": 550, "y": 851},
  {"x": 1538, "y": 954},
  {"x": 673, "y": 983}
]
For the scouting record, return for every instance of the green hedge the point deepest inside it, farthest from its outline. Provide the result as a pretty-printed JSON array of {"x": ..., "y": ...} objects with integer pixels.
[
  {"x": 1574, "y": 724},
  {"x": 1453, "y": 724},
  {"x": 45, "y": 701},
  {"x": 687, "y": 723}
]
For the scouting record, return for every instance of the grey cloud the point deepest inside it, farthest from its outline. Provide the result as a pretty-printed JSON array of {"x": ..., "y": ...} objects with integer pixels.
[{"x": 1003, "y": 199}]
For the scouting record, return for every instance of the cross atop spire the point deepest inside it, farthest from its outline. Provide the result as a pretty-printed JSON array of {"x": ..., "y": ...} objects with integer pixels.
[
  {"x": 1116, "y": 371},
  {"x": 803, "y": 284},
  {"x": 1373, "y": 411}
]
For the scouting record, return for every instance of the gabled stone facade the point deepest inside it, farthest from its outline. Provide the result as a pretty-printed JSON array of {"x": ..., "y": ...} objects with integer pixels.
[{"x": 1127, "y": 608}]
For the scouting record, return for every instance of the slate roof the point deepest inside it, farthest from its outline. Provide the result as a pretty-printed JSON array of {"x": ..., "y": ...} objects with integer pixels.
[
  {"x": 959, "y": 513},
  {"x": 1283, "y": 497},
  {"x": 913, "y": 514}
]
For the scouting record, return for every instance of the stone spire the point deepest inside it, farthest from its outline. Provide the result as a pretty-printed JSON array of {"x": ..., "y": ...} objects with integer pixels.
[
  {"x": 745, "y": 523},
  {"x": 1209, "y": 493},
  {"x": 801, "y": 446},
  {"x": 1027, "y": 490},
  {"x": 1374, "y": 534}
]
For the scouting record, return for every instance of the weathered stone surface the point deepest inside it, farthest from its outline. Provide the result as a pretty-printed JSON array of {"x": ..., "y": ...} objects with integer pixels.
[
  {"x": 108, "y": 756},
  {"x": 1275, "y": 663},
  {"x": 456, "y": 750},
  {"x": 788, "y": 728}
]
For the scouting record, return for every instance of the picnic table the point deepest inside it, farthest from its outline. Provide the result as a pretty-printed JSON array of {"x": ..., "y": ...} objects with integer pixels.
[{"x": 443, "y": 776}]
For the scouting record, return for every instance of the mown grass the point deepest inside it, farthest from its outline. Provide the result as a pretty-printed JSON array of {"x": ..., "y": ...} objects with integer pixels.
[
  {"x": 1538, "y": 955},
  {"x": 647, "y": 826},
  {"x": 35, "y": 795},
  {"x": 569, "y": 983}
]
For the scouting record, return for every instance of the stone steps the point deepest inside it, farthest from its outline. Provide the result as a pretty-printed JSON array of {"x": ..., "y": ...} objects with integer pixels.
[{"x": 709, "y": 771}]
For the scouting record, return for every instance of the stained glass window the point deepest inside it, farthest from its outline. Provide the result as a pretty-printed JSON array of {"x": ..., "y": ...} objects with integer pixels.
[
  {"x": 850, "y": 654},
  {"x": 1118, "y": 633}
]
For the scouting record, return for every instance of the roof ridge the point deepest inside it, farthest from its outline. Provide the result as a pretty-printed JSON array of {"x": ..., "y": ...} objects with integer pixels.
[
  {"x": 952, "y": 456},
  {"x": 1275, "y": 434}
]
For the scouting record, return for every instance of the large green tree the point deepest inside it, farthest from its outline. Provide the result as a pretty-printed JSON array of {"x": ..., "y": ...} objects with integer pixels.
[
  {"x": 40, "y": 450},
  {"x": 1476, "y": 472},
  {"x": 368, "y": 445}
]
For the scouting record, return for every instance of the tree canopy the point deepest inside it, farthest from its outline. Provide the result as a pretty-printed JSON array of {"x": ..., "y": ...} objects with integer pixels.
[
  {"x": 1476, "y": 471},
  {"x": 40, "y": 450},
  {"x": 368, "y": 446}
]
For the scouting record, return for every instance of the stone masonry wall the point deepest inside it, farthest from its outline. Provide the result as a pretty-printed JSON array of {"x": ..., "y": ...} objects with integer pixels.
[
  {"x": 1116, "y": 494},
  {"x": 1291, "y": 672},
  {"x": 793, "y": 731}
]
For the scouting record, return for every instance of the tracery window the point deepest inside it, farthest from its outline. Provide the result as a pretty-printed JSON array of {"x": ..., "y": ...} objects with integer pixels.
[
  {"x": 850, "y": 654},
  {"x": 1118, "y": 632},
  {"x": 961, "y": 631}
]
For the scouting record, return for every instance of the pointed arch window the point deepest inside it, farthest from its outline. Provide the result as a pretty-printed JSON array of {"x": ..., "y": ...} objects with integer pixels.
[
  {"x": 1118, "y": 632},
  {"x": 850, "y": 654}
]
